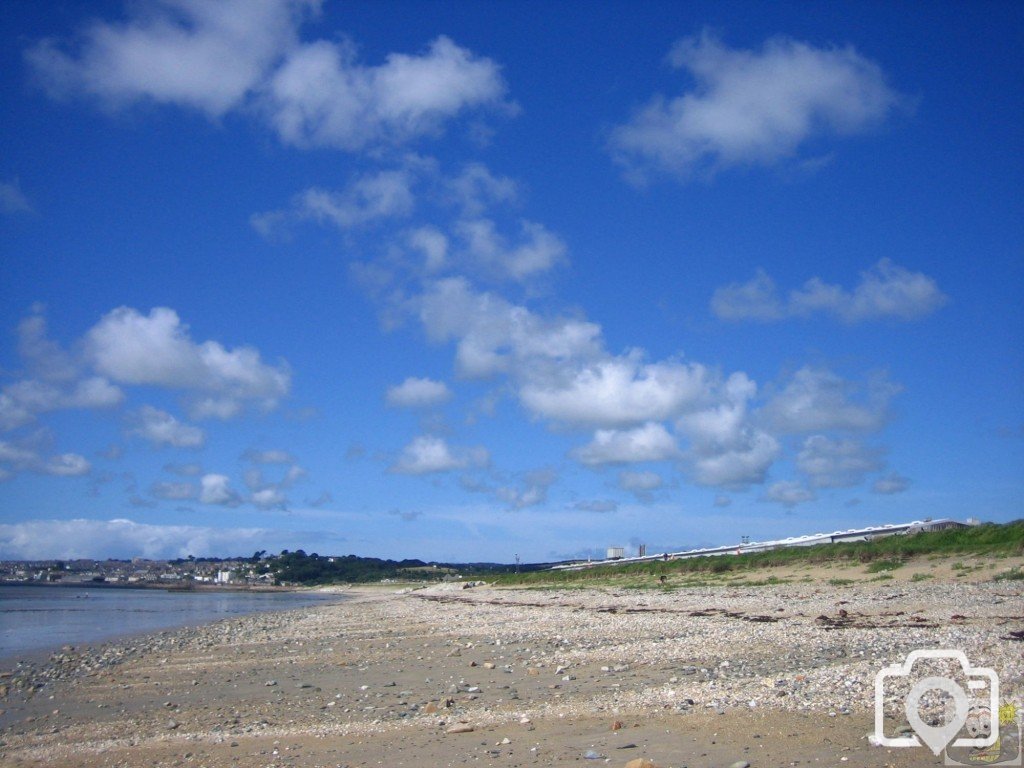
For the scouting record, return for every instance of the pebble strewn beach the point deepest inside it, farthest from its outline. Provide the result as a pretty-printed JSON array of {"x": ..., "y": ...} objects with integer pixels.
[{"x": 777, "y": 675}]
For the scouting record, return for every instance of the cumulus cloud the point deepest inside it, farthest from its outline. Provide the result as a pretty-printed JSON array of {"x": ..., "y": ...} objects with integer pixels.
[
  {"x": 216, "y": 489},
  {"x": 743, "y": 462},
  {"x": 131, "y": 348},
  {"x": 891, "y": 483},
  {"x": 23, "y": 401},
  {"x": 886, "y": 291},
  {"x": 818, "y": 400},
  {"x": 788, "y": 493},
  {"x": 726, "y": 449},
  {"x": 322, "y": 96},
  {"x": 617, "y": 392},
  {"x": 418, "y": 393},
  {"x": 475, "y": 189},
  {"x": 532, "y": 491},
  {"x": 269, "y": 498},
  {"x": 752, "y": 107},
  {"x": 207, "y": 56},
  {"x": 245, "y": 56},
  {"x": 494, "y": 335},
  {"x": 830, "y": 463},
  {"x": 429, "y": 454},
  {"x": 12, "y": 199},
  {"x": 641, "y": 484},
  {"x": 371, "y": 197},
  {"x": 537, "y": 251},
  {"x": 15, "y": 458},
  {"x": 432, "y": 244},
  {"x": 650, "y": 442},
  {"x": 78, "y": 538},
  {"x": 161, "y": 428}
]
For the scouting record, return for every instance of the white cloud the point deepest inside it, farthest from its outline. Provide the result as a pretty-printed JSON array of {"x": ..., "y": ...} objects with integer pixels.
[
  {"x": 428, "y": 454},
  {"x": 494, "y": 335},
  {"x": 23, "y": 401},
  {"x": 321, "y": 96},
  {"x": 884, "y": 291},
  {"x": 617, "y": 392},
  {"x": 161, "y": 428},
  {"x": 45, "y": 358},
  {"x": 133, "y": 348},
  {"x": 269, "y": 498},
  {"x": 832, "y": 463},
  {"x": 78, "y": 538},
  {"x": 788, "y": 493},
  {"x": 66, "y": 465},
  {"x": 641, "y": 484},
  {"x": 650, "y": 442},
  {"x": 752, "y": 107},
  {"x": 891, "y": 483},
  {"x": 208, "y": 56},
  {"x": 726, "y": 449},
  {"x": 538, "y": 250},
  {"x": 16, "y": 458},
  {"x": 433, "y": 244},
  {"x": 475, "y": 189},
  {"x": 418, "y": 393},
  {"x": 817, "y": 400},
  {"x": 532, "y": 491},
  {"x": 756, "y": 299},
  {"x": 368, "y": 198},
  {"x": 216, "y": 489},
  {"x": 12, "y": 199},
  {"x": 743, "y": 462}
]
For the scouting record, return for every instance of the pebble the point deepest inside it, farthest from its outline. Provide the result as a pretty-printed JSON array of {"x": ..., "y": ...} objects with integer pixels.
[{"x": 460, "y": 728}]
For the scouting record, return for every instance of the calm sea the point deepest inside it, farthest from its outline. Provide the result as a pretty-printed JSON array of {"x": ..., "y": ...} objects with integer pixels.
[{"x": 39, "y": 618}]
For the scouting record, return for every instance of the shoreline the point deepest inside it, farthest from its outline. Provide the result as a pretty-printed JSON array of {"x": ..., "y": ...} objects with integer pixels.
[
  {"x": 34, "y": 662},
  {"x": 698, "y": 677}
]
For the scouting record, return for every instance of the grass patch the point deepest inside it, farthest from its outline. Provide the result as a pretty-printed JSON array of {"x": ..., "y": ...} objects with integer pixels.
[
  {"x": 1014, "y": 574},
  {"x": 922, "y": 577},
  {"x": 880, "y": 556},
  {"x": 840, "y": 582},
  {"x": 883, "y": 577}
]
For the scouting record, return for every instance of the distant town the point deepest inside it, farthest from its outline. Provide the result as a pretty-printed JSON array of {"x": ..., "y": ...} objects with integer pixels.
[{"x": 140, "y": 572}]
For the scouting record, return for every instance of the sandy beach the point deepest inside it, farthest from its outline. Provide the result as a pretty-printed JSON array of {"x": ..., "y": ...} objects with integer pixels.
[{"x": 777, "y": 675}]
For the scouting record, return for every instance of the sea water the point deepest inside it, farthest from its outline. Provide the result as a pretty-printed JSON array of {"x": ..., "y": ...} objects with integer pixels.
[{"x": 38, "y": 618}]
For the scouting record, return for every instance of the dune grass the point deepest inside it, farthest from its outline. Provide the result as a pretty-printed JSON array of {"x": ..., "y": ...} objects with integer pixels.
[{"x": 881, "y": 555}]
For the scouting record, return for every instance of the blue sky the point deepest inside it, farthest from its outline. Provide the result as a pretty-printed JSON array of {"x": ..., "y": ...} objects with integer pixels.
[{"x": 466, "y": 281}]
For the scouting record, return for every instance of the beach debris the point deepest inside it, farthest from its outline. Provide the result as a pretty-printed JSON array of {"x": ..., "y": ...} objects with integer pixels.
[{"x": 591, "y": 754}]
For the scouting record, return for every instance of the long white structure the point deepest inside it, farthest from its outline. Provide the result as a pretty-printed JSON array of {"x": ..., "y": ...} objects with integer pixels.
[{"x": 853, "y": 534}]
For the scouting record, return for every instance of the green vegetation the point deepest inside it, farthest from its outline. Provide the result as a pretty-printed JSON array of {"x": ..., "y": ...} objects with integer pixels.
[
  {"x": 921, "y": 577},
  {"x": 880, "y": 556},
  {"x": 840, "y": 582},
  {"x": 1014, "y": 574}
]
